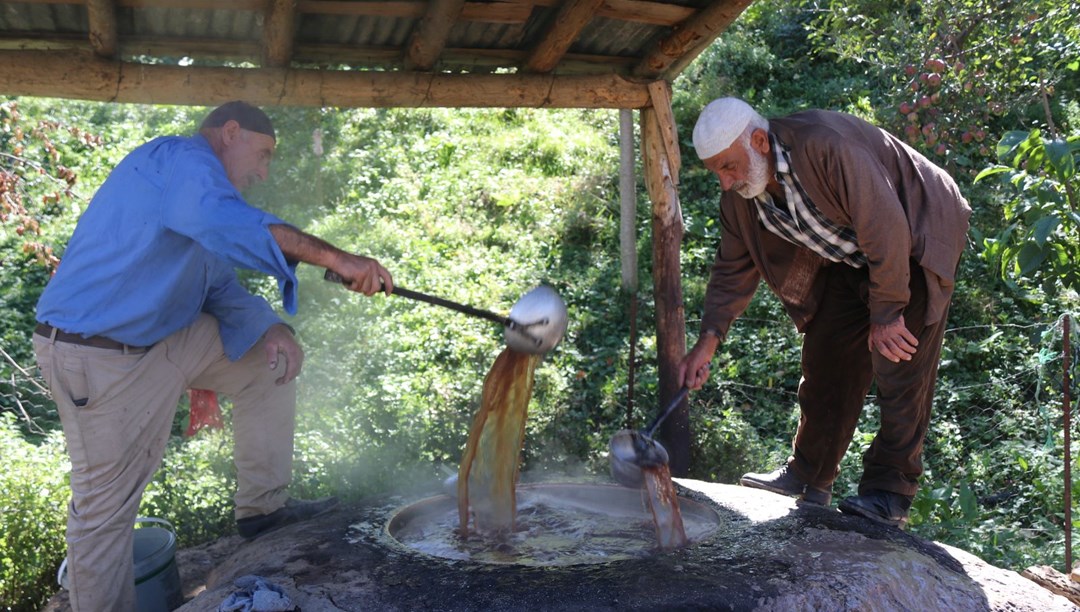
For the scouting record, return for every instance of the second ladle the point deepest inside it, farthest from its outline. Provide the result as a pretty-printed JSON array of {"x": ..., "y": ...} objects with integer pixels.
[{"x": 633, "y": 450}]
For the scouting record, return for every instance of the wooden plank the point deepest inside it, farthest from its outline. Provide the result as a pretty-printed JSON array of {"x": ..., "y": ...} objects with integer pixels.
[
  {"x": 1053, "y": 581},
  {"x": 64, "y": 42},
  {"x": 402, "y": 9},
  {"x": 490, "y": 12},
  {"x": 231, "y": 5},
  {"x": 655, "y": 13},
  {"x": 279, "y": 32},
  {"x": 315, "y": 53},
  {"x": 497, "y": 12},
  {"x": 667, "y": 289},
  {"x": 638, "y": 11},
  {"x": 571, "y": 19},
  {"x": 429, "y": 38},
  {"x": 228, "y": 5},
  {"x": 660, "y": 94},
  {"x": 670, "y": 56},
  {"x": 453, "y": 56},
  {"x": 86, "y": 77},
  {"x": 101, "y": 20}
]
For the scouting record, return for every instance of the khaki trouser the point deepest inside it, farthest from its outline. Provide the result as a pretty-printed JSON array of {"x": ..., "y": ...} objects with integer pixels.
[
  {"x": 838, "y": 370},
  {"x": 117, "y": 411}
]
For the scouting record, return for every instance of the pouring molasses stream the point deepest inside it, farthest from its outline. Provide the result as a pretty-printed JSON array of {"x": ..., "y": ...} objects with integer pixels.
[{"x": 630, "y": 450}]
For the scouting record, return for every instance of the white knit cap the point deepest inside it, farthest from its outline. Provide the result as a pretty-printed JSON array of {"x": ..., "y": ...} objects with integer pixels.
[{"x": 720, "y": 124}]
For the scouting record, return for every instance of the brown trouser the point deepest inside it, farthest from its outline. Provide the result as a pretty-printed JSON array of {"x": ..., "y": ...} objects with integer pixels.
[
  {"x": 117, "y": 409},
  {"x": 838, "y": 368}
]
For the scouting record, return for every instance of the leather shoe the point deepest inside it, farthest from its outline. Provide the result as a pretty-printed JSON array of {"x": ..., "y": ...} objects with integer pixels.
[
  {"x": 294, "y": 511},
  {"x": 880, "y": 506},
  {"x": 786, "y": 482}
]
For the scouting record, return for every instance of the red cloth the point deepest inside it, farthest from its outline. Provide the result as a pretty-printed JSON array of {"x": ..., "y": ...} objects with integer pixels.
[{"x": 205, "y": 411}]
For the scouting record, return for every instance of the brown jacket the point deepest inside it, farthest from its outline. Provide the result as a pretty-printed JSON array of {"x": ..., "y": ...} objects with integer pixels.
[{"x": 902, "y": 207}]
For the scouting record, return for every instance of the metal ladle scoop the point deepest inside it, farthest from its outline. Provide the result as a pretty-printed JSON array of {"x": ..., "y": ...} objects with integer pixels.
[
  {"x": 536, "y": 323},
  {"x": 630, "y": 450}
]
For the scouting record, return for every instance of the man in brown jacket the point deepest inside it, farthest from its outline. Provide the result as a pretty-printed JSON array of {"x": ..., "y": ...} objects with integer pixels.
[{"x": 859, "y": 236}]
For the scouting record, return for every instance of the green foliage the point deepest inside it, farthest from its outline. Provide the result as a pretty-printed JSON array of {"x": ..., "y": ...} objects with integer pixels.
[
  {"x": 957, "y": 72},
  {"x": 33, "y": 511},
  {"x": 194, "y": 486},
  {"x": 1041, "y": 242}
]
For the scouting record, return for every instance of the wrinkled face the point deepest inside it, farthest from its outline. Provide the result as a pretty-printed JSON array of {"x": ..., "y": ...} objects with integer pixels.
[
  {"x": 246, "y": 155},
  {"x": 742, "y": 167}
]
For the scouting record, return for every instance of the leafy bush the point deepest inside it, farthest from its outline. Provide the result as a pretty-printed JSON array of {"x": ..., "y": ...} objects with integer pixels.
[
  {"x": 1041, "y": 242},
  {"x": 193, "y": 488},
  {"x": 33, "y": 515}
]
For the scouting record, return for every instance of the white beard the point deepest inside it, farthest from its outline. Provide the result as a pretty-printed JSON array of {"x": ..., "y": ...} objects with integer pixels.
[{"x": 758, "y": 176}]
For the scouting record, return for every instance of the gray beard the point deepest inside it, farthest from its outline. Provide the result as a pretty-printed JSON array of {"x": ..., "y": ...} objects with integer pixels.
[{"x": 758, "y": 178}]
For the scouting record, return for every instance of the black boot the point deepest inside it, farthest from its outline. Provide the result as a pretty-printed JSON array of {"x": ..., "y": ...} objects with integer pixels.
[
  {"x": 883, "y": 507},
  {"x": 786, "y": 482},
  {"x": 294, "y": 511}
]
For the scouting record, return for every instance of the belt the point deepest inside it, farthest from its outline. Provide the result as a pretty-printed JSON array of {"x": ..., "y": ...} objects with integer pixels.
[{"x": 56, "y": 335}]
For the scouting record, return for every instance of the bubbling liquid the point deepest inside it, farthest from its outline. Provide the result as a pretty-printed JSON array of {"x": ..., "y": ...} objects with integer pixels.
[{"x": 557, "y": 524}]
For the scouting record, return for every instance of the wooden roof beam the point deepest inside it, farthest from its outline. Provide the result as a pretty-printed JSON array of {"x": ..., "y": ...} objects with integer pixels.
[
  {"x": 571, "y": 19},
  {"x": 279, "y": 30},
  {"x": 429, "y": 38},
  {"x": 87, "y": 77},
  {"x": 101, "y": 17},
  {"x": 670, "y": 56}
]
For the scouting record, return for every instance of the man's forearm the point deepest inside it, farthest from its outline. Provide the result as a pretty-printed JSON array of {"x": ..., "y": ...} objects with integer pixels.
[{"x": 298, "y": 246}]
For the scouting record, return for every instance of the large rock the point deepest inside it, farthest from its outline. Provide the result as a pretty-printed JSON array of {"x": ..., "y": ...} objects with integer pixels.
[{"x": 767, "y": 554}]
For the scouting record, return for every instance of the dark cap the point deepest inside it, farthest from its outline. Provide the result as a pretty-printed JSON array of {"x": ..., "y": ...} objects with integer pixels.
[{"x": 249, "y": 117}]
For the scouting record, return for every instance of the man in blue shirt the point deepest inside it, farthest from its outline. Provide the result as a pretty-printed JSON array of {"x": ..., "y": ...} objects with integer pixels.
[{"x": 146, "y": 304}]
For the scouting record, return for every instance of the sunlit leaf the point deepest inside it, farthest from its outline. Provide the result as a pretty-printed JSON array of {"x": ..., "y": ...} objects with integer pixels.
[
  {"x": 1044, "y": 227},
  {"x": 1061, "y": 159},
  {"x": 1030, "y": 257},
  {"x": 991, "y": 171}
]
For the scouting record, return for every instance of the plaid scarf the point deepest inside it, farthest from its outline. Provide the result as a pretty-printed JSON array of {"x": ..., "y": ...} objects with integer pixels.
[{"x": 802, "y": 223}]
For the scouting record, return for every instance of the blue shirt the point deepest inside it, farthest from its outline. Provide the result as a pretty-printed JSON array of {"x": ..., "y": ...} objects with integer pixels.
[{"x": 159, "y": 244}]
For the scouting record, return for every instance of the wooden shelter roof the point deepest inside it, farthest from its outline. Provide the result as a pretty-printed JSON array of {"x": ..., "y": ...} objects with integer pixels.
[{"x": 410, "y": 53}]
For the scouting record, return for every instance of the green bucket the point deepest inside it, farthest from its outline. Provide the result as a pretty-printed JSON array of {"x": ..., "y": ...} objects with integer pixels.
[{"x": 157, "y": 578}]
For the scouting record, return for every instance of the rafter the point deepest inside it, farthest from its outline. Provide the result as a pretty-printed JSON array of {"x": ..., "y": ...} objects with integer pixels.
[
  {"x": 571, "y": 19},
  {"x": 429, "y": 37},
  {"x": 101, "y": 16},
  {"x": 671, "y": 55},
  {"x": 278, "y": 33}
]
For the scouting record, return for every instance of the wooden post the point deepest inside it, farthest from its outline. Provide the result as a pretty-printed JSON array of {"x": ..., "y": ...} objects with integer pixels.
[
  {"x": 667, "y": 286},
  {"x": 1067, "y": 417},
  {"x": 628, "y": 245}
]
